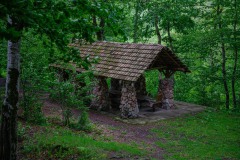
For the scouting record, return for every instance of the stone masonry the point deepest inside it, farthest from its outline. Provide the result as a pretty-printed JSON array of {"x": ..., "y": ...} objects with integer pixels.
[
  {"x": 129, "y": 105},
  {"x": 166, "y": 92},
  {"x": 101, "y": 98}
]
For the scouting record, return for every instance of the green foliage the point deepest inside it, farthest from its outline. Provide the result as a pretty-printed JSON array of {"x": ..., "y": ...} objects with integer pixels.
[
  {"x": 208, "y": 135},
  {"x": 73, "y": 93},
  {"x": 83, "y": 122},
  {"x": 32, "y": 109},
  {"x": 22, "y": 131},
  {"x": 3, "y": 60},
  {"x": 62, "y": 143},
  {"x": 152, "y": 82},
  {"x": 197, "y": 39},
  {"x": 63, "y": 93},
  {"x": 35, "y": 78}
]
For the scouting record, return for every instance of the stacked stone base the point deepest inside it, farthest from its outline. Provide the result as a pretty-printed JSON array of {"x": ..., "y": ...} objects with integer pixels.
[
  {"x": 129, "y": 105},
  {"x": 128, "y": 102},
  {"x": 166, "y": 91},
  {"x": 101, "y": 98}
]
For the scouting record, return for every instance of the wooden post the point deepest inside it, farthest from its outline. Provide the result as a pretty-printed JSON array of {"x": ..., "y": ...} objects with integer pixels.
[{"x": 129, "y": 105}]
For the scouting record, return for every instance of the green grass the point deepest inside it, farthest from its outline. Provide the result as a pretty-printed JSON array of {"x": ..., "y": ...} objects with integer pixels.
[
  {"x": 208, "y": 135},
  {"x": 62, "y": 143}
]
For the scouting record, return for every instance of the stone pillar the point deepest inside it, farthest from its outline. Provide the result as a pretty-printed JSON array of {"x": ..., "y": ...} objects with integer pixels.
[
  {"x": 165, "y": 93},
  {"x": 115, "y": 85},
  {"x": 101, "y": 98},
  {"x": 140, "y": 86},
  {"x": 129, "y": 105}
]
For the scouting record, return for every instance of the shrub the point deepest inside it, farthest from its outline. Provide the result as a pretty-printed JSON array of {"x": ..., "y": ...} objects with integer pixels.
[
  {"x": 32, "y": 111},
  {"x": 83, "y": 122},
  {"x": 73, "y": 93}
]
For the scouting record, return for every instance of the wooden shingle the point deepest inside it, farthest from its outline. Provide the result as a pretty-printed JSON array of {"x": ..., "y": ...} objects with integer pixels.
[{"x": 127, "y": 61}]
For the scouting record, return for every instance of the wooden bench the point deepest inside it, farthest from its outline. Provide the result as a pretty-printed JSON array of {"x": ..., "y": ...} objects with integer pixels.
[{"x": 152, "y": 103}]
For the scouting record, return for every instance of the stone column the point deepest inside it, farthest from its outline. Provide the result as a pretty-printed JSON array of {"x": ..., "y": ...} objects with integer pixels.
[
  {"x": 140, "y": 86},
  {"x": 100, "y": 91},
  {"x": 165, "y": 93},
  {"x": 129, "y": 105}
]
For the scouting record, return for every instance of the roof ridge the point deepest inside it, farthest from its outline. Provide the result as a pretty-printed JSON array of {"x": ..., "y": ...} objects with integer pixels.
[{"x": 123, "y": 43}]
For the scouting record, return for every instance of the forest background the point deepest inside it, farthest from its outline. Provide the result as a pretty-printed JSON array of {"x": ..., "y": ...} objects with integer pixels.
[{"x": 205, "y": 35}]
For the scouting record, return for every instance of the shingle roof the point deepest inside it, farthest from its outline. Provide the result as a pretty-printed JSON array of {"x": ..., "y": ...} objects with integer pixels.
[{"x": 127, "y": 61}]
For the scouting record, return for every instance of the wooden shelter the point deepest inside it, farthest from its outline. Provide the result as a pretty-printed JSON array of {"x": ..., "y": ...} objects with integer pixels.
[{"x": 125, "y": 64}]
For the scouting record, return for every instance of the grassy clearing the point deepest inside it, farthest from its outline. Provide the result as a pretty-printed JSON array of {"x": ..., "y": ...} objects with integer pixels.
[
  {"x": 62, "y": 143},
  {"x": 208, "y": 135}
]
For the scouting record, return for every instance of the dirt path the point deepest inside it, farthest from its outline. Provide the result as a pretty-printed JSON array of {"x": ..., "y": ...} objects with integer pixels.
[{"x": 114, "y": 129}]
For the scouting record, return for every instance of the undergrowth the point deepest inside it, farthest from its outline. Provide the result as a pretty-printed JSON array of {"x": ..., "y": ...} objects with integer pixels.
[{"x": 63, "y": 143}]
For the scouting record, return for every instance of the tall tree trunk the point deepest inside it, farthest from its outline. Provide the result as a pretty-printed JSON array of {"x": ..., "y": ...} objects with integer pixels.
[
  {"x": 235, "y": 48},
  {"x": 223, "y": 51},
  {"x": 169, "y": 36},
  {"x": 136, "y": 17},
  {"x": 8, "y": 134},
  {"x": 94, "y": 19},
  {"x": 100, "y": 33},
  {"x": 157, "y": 30}
]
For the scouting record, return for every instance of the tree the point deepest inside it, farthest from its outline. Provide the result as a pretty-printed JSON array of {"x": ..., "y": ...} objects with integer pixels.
[
  {"x": 50, "y": 18},
  {"x": 110, "y": 23},
  {"x": 8, "y": 124},
  {"x": 219, "y": 13},
  {"x": 234, "y": 12},
  {"x": 211, "y": 52}
]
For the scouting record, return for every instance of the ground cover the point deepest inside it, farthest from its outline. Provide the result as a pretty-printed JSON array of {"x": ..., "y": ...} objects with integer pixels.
[
  {"x": 208, "y": 135},
  {"x": 211, "y": 134}
]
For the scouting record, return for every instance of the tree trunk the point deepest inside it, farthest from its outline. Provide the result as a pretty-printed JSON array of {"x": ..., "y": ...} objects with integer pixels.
[
  {"x": 157, "y": 30},
  {"x": 136, "y": 17},
  {"x": 100, "y": 33},
  {"x": 169, "y": 36},
  {"x": 219, "y": 11},
  {"x": 94, "y": 19},
  {"x": 8, "y": 134},
  {"x": 225, "y": 74},
  {"x": 235, "y": 48}
]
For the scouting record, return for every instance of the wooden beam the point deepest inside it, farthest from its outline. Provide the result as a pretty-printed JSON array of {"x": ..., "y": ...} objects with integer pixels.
[{"x": 168, "y": 73}]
